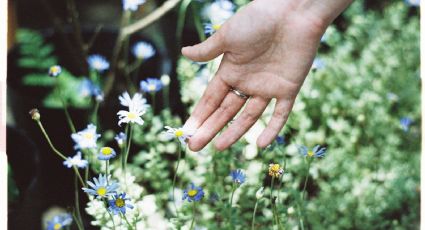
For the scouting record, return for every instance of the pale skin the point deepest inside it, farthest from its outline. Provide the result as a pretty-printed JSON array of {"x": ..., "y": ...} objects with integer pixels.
[{"x": 268, "y": 48}]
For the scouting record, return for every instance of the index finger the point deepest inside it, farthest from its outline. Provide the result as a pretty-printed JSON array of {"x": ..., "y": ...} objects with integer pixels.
[{"x": 214, "y": 94}]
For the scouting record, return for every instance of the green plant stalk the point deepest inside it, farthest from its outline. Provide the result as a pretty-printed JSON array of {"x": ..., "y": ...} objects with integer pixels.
[
  {"x": 175, "y": 177},
  {"x": 74, "y": 216},
  {"x": 126, "y": 220},
  {"x": 181, "y": 19},
  {"x": 57, "y": 151},
  {"x": 166, "y": 96},
  {"x": 275, "y": 215},
  {"x": 107, "y": 171},
  {"x": 198, "y": 24},
  {"x": 65, "y": 108},
  {"x": 300, "y": 217},
  {"x": 124, "y": 148},
  {"x": 153, "y": 102},
  {"x": 78, "y": 220},
  {"x": 253, "y": 215},
  {"x": 110, "y": 215},
  {"x": 306, "y": 179},
  {"x": 271, "y": 199},
  {"x": 231, "y": 196},
  {"x": 193, "y": 215},
  {"x": 128, "y": 149},
  {"x": 94, "y": 114}
]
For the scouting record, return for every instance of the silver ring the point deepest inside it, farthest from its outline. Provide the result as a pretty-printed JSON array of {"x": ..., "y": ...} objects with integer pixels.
[{"x": 239, "y": 93}]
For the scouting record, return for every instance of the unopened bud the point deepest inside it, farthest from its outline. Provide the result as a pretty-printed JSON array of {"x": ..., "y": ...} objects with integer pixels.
[
  {"x": 165, "y": 79},
  {"x": 35, "y": 114},
  {"x": 260, "y": 193}
]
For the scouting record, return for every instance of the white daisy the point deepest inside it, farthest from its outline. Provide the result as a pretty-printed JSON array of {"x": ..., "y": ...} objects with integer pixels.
[
  {"x": 131, "y": 116},
  {"x": 137, "y": 101},
  {"x": 86, "y": 138},
  {"x": 75, "y": 161},
  {"x": 180, "y": 133}
]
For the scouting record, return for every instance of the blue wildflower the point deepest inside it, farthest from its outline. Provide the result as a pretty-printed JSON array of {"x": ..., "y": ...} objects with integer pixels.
[
  {"x": 280, "y": 140},
  {"x": 193, "y": 193},
  {"x": 132, "y": 5},
  {"x": 151, "y": 85},
  {"x": 55, "y": 70},
  {"x": 119, "y": 204},
  {"x": 88, "y": 88},
  {"x": 238, "y": 176},
  {"x": 59, "y": 222},
  {"x": 143, "y": 50},
  {"x": 405, "y": 123},
  {"x": 76, "y": 161},
  {"x": 98, "y": 62},
  {"x": 414, "y": 3},
  {"x": 106, "y": 153},
  {"x": 316, "y": 152},
  {"x": 318, "y": 64},
  {"x": 120, "y": 138},
  {"x": 86, "y": 138},
  {"x": 100, "y": 188}
]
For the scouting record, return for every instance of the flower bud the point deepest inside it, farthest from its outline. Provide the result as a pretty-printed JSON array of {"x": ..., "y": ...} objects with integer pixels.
[
  {"x": 165, "y": 79},
  {"x": 260, "y": 193},
  {"x": 35, "y": 114}
]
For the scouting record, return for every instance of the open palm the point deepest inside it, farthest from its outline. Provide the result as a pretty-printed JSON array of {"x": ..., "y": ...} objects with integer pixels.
[{"x": 268, "y": 52}]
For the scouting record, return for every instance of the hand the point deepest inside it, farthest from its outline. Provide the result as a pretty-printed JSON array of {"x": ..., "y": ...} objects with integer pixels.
[{"x": 268, "y": 48}]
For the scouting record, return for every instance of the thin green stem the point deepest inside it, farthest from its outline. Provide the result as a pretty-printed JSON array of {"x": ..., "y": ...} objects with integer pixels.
[
  {"x": 110, "y": 215},
  {"x": 153, "y": 102},
  {"x": 175, "y": 177},
  {"x": 94, "y": 114},
  {"x": 49, "y": 141},
  {"x": 126, "y": 220},
  {"x": 79, "y": 220},
  {"x": 128, "y": 149},
  {"x": 253, "y": 215},
  {"x": 65, "y": 109},
  {"x": 76, "y": 221},
  {"x": 193, "y": 215},
  {"x": 231, "y": 196},
  {"x": 271, "y": 201},
  {"x": 107, "y": 171},
  {"x": 78, "y": 175},
  {"x": 306, "y": 179}
]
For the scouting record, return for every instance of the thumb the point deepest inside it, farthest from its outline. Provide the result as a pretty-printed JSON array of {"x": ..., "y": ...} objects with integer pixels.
[{"x": 205, "y": 51}]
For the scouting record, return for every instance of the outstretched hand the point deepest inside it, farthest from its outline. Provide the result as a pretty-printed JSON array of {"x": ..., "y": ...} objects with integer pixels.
[{"x": 268, "y": 47}]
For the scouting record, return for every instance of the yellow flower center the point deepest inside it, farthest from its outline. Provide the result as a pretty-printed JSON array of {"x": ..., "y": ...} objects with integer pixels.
[
  {"x": 57, "y": 226},
  {"x": 216, "y": 26},
  {"x": 101, "y": 191},
  {"x": 54, "y": 69},
  {"x": 192, "y": 192},
  {"x": 119, "y": 202},
  {"x": 106, "y": 151},
  {"x": 131, "y": 115},
  {"x": 151, "y": 87},
  {"x": 310, "y": 153},
  {"x": 275, "y": 168},
  {"x": 178, "y": 133},
  {"x": 88, "y": 136}
]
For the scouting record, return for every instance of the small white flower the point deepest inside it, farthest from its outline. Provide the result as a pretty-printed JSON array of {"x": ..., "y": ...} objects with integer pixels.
[
  {"x": 132, "y": 5},
  {"x": 180, "y": 133},
  {"x": 75, "y": 161},
  {"x": 291, "y": 210},
  {"x": 165, "y": 79},
  {"x": 260, "y": 193},
  {"x": 86, "y": 138},
  {"x": 131, "y": 116},
  {"x": 143, "y": 50},
  {"x": 137, "y": 101}
]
